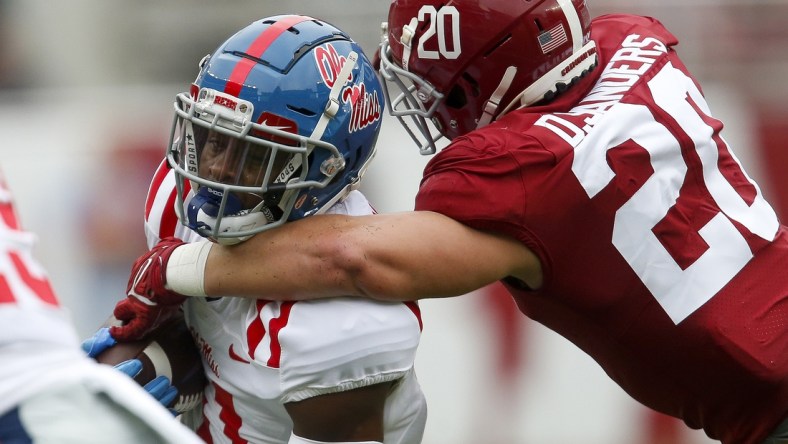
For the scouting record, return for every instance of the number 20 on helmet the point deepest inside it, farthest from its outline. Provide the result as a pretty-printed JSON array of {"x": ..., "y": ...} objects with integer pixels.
[{"x": 463, "y": 63}]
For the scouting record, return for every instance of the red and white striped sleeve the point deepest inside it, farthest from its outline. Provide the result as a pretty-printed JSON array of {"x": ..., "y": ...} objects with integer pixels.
[{"x": 161, "y": 219}]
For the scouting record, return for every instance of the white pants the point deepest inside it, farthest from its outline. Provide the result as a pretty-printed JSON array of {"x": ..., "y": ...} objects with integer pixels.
[
  {"x": 98, "y": 411},
  {"x": 76, "y": 415}
]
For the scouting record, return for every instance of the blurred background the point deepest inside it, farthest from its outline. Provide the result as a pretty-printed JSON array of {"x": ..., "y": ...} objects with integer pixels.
[{"x": 86, "y": 90}]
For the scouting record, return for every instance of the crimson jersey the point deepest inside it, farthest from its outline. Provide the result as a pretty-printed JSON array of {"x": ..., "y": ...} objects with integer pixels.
[{"x": 661, "y": 258}]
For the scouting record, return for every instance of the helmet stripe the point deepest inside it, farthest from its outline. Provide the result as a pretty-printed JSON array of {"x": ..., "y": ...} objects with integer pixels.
[
  {"x": 256, "y": 49},
  {"x": 575, "y": 27}
]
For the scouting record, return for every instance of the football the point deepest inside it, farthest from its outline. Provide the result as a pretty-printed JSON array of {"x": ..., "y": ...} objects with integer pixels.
[{"x": 167, "y": 351}]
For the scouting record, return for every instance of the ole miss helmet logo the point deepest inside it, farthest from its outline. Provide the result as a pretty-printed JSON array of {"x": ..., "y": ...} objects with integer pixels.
[{"x": 364, "y": 106}]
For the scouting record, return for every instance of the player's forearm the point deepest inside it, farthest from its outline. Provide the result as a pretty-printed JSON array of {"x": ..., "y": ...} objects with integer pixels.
[
  {"x": 315, "y": 258},
  {"x": 294, "y": 262},
  {"x": 268, "y": 270},
  {"x": 224, "y": 272},
  {"x": 403, "y": 256},
  {"x": 282, "y": 264}
]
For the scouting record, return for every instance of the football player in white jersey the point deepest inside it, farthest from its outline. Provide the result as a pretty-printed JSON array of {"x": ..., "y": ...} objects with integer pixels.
[
  {"x": 281, "y": 124},
  {"x": 49, "y": 390}
]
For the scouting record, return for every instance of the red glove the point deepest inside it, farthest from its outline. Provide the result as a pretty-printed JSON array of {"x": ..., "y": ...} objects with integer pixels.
[
  {"x": 149, "y": 274},
  {"x": 149, "y": 304},
  {"x": 139, "y": 318}
]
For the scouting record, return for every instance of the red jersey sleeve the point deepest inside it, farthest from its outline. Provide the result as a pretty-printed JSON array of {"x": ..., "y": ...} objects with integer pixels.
[{"x": 478, "y": 185}]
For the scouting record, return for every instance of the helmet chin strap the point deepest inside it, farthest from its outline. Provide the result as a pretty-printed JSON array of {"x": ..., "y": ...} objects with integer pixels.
[
  {"x": 495, "y": 99},
  {"x": 408, "y": 32},
  {"x": 206, "y": 216}
]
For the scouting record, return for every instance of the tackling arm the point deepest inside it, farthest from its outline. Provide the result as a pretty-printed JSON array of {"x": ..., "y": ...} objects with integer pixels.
[{"x": 402, "y": 256}]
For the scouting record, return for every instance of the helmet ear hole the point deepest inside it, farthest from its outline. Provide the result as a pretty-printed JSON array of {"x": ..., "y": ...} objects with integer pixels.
[
  {"x": 458, "y": 95},
  {"x": 456, "y": 98}
]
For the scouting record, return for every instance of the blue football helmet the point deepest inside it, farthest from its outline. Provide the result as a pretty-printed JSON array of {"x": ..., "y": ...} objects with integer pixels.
[{"x": 280, "y": 124}]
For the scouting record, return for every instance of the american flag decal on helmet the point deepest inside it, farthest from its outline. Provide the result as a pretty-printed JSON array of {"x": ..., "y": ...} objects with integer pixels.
[{"x": 552, "y": 38}]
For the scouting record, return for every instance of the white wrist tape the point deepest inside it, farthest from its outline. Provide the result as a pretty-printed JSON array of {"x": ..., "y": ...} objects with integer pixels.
[
  {"x": 186, "y": 268},
  {"x": 299, "y": 440}
]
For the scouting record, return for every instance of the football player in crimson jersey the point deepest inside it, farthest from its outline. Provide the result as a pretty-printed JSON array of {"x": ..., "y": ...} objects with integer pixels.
[
  {"x": 280, "y": 124},
  {"x": 49, "y": 390},
  {"x": 588, "y": 174}
]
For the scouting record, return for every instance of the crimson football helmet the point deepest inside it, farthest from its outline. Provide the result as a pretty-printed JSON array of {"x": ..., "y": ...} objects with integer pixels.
[
  {"x": 463, "y": 63},
  {"x": 280, "y": 124}
]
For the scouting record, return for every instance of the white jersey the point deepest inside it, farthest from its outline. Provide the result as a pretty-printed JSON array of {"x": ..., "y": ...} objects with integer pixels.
[
  {"x": 260, "y": 354},
  {"x": 39, "y": 347}
]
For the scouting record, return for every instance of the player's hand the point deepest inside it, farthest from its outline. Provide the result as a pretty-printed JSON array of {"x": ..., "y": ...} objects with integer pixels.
[
  {"x": 148, "y": 278},
  {"x": 160, "y": 387},
  {"x": 139, "y": 316},
  {"x": 100, "y": 341},
  {"x": 148, "y": 303}
]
